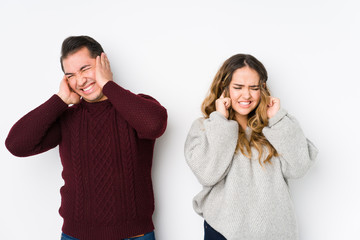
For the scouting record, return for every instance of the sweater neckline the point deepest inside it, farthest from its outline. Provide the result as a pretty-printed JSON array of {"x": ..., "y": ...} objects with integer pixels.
[{"x": 95, "y": 106}]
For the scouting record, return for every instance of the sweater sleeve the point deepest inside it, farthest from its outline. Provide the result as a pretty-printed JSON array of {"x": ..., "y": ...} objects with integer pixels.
[
  {"x": 210, "y": 147},
  {"x": 296, "y": 152},
  {"x": 38, "y": 131},
  {"x": 142, "y": 112}
]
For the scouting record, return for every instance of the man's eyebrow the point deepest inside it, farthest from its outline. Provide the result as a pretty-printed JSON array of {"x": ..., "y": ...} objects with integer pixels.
[
  {"x": 85, "y": 66},
  {"x": 82, "y": 68}
]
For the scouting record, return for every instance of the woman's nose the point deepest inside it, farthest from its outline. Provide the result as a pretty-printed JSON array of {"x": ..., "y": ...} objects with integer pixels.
[{"x": 246, "y": 94}]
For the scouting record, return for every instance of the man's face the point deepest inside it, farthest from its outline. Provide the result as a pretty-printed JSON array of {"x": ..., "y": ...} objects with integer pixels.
[{"x": 80, "y": 70}]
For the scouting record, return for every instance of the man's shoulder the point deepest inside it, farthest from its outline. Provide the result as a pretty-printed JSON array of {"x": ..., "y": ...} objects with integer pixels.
[{"x": 147, "y": 97}]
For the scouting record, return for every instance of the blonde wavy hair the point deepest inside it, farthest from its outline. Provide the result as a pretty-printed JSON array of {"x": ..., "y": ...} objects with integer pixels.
[{"x": 257, "y": 119}]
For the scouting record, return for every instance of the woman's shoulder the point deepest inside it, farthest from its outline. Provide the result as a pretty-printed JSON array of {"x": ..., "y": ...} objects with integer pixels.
[
  {"x": 216, "y": 122},
  {"x": 198, "y": 123}
]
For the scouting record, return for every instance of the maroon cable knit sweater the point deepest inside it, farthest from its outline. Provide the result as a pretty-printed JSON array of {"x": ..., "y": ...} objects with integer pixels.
[{"x": 106, "y": 150}]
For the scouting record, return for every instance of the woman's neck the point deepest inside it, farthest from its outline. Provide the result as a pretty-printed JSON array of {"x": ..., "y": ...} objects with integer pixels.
[{"x": 242, "y": 120}]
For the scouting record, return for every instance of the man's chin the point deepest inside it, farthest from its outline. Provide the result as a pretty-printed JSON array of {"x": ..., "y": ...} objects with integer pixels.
[{"x": 99, "y": 98}]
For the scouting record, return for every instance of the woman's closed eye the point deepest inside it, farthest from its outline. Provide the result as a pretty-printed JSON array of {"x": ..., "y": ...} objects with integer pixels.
[{"x": 254, "y": 89}]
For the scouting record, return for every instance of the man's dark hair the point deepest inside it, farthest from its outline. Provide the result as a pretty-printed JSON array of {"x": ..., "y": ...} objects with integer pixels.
[{"x": 74, "y": 43}]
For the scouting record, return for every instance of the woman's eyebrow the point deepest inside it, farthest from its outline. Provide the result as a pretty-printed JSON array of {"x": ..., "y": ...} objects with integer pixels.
[{"x": 241, "y": 85}]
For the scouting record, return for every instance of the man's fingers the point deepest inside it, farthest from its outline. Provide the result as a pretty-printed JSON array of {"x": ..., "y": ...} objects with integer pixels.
[
  {"x": 106, "y": 60},
  {"x": 98, "y": 61},
  {"x": 65, "y": 80},
  {"x": 102, "y": 61}
]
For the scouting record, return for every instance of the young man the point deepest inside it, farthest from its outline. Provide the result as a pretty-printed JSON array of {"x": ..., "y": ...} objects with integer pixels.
[{"x": 106, "y": 140}]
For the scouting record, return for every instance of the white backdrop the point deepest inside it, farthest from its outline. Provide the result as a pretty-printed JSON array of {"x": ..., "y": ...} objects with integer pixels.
[{"x": 172, "y": 50}]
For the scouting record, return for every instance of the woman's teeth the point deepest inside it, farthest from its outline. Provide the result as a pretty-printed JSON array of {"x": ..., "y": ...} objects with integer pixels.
[{"x": 244, "y": 103}]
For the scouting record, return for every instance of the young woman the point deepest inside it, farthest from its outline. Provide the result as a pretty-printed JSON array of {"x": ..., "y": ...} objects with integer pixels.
[{"x": 243, "y": 152}]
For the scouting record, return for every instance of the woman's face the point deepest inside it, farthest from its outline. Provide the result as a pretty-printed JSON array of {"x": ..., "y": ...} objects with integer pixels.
[{"x": 244, "y": 90}]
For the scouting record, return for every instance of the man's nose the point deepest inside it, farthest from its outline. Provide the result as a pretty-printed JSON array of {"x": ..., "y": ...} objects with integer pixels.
[{"x": 80, "y": 80}]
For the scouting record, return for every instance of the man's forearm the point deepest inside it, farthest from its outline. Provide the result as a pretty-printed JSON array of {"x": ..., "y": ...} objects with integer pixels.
[
  {"x": 37, "y": 131},
  {"x": 142, "y": 112}
]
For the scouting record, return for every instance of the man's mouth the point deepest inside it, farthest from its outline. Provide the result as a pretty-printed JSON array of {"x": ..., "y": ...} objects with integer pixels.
[{"x": 88, "y": 88}]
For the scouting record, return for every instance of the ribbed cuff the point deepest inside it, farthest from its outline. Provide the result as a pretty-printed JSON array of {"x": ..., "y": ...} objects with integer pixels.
[
  {"x": 57, "y": 103},
  {"x": 278, "y": 116},
  {"x": 217, "y": 115}
]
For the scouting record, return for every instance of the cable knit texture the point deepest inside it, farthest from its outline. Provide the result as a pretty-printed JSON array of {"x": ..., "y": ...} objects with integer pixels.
[
  {"x": 106, "y": 150},
  {"x": 240, "y": 198}
]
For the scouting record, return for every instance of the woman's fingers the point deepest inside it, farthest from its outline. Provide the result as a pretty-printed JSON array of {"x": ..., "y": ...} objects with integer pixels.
[
  {"x": 227, "y": 102},
  {"x": 222, "y": 95}
]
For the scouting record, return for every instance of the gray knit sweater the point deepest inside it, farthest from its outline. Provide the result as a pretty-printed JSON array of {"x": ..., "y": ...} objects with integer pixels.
[{"x": 241, "y": 199}]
